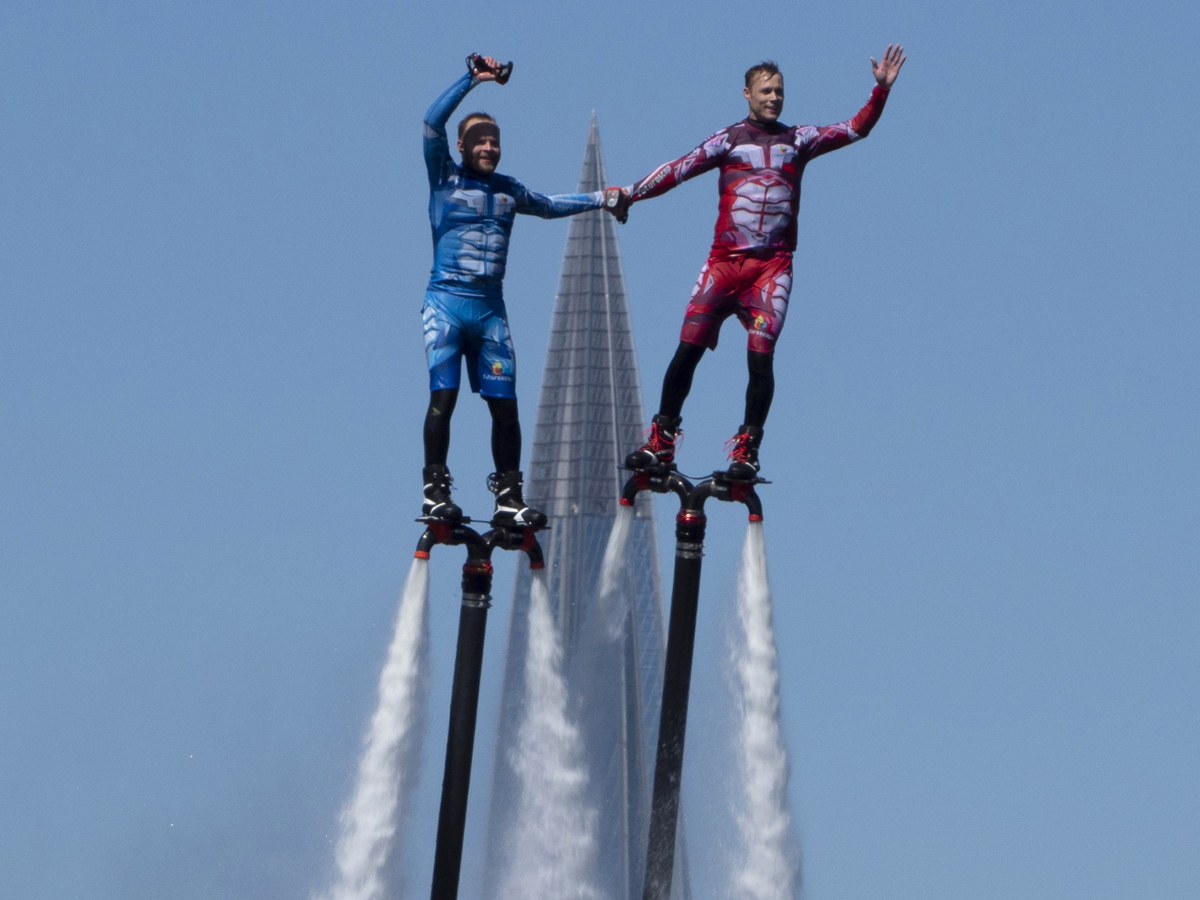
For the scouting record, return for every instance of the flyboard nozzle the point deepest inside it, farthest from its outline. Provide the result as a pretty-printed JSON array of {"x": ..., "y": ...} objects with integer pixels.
[
  {"x": 523, "y": 539},
  {"x": 660, "y": 481},
  {"x": 533, "y": 550},
  {"x": 435, "y": 533},
  {"x": 754, "y": 505}
]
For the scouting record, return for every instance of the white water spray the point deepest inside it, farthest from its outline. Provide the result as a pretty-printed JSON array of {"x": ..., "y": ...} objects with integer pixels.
[
  {"x": 387, "y": 772},
  {"x": 768, "y": 865},
  {"x": 611, "y": 602},
  {"x": 554, "y": 844}
]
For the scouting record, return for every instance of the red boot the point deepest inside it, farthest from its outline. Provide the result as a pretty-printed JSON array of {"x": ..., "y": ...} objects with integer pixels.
[
  {"x": 659, "y": 451},
  {"x": 743, "y": 450}
]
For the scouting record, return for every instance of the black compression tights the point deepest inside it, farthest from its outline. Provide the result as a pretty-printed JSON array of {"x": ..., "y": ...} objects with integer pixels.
[
  {"x": 761, "y": 388},
  {"x": 506, "y": 434},
  {"x": 678, "y": 383},
  {"x": 506, "y": 430}
]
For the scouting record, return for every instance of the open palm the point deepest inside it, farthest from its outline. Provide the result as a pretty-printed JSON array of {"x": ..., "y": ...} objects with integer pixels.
[{"x": 886, "y": 71}]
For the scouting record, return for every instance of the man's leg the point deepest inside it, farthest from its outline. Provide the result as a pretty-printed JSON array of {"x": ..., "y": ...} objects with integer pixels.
[
  {"x": 761, "y": 388},
  {"x": 677, "y": 383},
  {"x": 712, "y": 301},
  {"x": 443, "y": 351},
  {"x": 506, "y": 433},
  {"x": 437, "y": 503},
  {"x": 437, "y": 425},
  {"x": 497, "y": 373},
  {"x": 763, "y": 312},
  {"x": 507, "y": 481},
  {"x": 659, "y": 449}
]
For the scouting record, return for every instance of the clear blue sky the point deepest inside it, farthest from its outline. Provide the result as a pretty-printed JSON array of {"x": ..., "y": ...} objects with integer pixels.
[{"x": 984, "y": 525}]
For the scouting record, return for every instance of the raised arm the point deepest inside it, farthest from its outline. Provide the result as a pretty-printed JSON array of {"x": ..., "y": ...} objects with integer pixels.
[
  {"x": 830, "y": 137},
  {"x": 438, "y": 161},
  {"x": 707, "y": 156}
]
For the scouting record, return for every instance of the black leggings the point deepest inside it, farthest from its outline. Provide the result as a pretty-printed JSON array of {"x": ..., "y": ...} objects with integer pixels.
[
  {"x": 506, "y": 430},
  {"x": 678, "y": 383}
]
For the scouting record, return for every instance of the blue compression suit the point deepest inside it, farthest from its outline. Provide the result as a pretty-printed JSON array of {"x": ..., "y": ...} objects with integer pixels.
[{"x": 472, "y": 217}]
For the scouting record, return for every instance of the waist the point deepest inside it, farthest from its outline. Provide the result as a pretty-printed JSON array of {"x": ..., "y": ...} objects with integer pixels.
[
  {"x": 723, "y": 251},
  {"x": 465, "y": 284}
]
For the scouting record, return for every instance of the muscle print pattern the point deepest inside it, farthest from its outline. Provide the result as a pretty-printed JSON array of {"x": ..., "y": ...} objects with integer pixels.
[
  {"x": 761, "y": 168},
  {"x": 472, "y": 215}
]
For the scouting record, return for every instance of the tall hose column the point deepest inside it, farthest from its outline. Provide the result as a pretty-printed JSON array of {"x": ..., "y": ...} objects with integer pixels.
[
  {"x": 464, "y": 694},
  {"x": 677, "y": 679},
  {"x": 460, "y": 742},
  {"x": 681, "y": 640}
]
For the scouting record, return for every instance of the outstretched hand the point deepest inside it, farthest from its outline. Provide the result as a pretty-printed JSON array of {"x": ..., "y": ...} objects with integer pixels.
[
  {"x": 616, "y": 201},
  {"x": 886, "y": 71}
]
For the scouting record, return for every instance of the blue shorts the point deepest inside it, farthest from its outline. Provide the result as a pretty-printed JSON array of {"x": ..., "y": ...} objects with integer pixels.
[{"x": 457, "y": 326}]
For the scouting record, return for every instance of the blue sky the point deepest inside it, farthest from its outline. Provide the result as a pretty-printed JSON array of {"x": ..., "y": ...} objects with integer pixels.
[{"x": 983, "y": 526}]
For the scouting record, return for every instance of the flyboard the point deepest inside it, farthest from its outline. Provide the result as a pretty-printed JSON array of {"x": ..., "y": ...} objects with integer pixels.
[
  {"x": 690, "y": 524},
  {"x": 468, "y": 666}
]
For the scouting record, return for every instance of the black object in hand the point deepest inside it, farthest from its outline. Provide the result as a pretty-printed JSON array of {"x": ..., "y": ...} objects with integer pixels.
[{"x": 475, "y": 64}]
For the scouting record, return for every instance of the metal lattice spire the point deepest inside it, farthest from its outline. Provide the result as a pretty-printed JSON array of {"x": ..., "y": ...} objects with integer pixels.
[{"x": 589, "y": 416}]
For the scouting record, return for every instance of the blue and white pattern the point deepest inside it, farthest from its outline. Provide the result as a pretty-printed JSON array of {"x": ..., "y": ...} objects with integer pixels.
[
  {"x": 474, "y": 327},
  {"x": 472, "y": 214}
]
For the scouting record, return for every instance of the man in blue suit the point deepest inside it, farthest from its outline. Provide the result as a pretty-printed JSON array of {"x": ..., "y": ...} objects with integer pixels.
[{"x": 471, "y": 210}]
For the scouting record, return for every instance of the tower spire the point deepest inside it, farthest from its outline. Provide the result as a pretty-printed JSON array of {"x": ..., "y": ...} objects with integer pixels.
[{"x": 589, "y": 416}]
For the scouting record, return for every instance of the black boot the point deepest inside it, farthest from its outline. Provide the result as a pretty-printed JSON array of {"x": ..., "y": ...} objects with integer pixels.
[
  {"x": 438, "y": 504},
  {"x": 511, "y": 509},
  {"x": 743, "y": 450},
  {"x": 659, "y": 450}
]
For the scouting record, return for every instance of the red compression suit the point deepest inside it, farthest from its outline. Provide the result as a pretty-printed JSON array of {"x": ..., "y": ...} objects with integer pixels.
[{"x": 749, "y": 269}]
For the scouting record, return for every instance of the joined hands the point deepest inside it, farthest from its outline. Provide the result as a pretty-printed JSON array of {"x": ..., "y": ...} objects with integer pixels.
[{"x": 617, "y": 201}]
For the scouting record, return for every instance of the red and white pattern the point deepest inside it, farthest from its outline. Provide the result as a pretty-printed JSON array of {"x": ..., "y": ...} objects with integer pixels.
[
  {"x": 761, "y": 167},
  {"x": 752, "y": 287}
]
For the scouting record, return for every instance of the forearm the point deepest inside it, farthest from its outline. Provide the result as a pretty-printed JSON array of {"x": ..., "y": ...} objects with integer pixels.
[
  {"x": 657, "y": 182},
  {"x": 443, "y": 107},
  {"x": 668, "y": 175},
  {"x": 555, "y": 206},
  {"x": 827, "y": 138},
  {"x": 865, "y": 119}
]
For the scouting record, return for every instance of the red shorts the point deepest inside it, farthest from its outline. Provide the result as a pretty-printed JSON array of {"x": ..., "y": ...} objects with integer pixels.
[{"x": 754, "y": 288}]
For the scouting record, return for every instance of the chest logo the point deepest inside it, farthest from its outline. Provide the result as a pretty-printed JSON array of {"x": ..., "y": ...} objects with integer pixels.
[
  {"x": 781, "y": 155},
  {"x": 503, "y": 204}
]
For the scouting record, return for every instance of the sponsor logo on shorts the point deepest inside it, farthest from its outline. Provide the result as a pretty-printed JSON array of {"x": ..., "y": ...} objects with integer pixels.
[
  {"x": 498, "y": 371},
  {"x": 761, "y": 327}
]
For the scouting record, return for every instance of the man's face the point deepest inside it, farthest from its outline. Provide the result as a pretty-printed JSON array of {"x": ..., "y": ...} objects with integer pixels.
[
  {"x": 480, "y": 146},
  {"x": 765, "y": 96}
]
